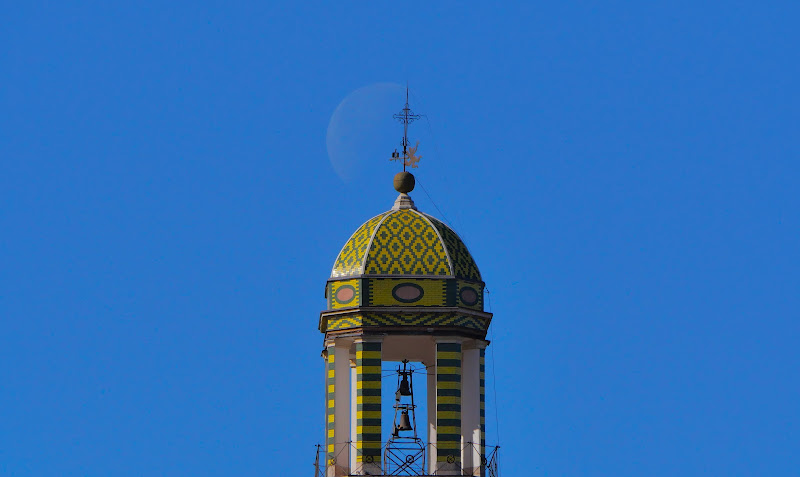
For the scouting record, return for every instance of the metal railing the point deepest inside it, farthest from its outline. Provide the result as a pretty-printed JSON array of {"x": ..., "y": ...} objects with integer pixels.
[{"x": 404, "y": 461}]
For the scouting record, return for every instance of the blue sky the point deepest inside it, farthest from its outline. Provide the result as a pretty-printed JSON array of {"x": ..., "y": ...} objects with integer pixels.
[{"x": 625, "y": 174}]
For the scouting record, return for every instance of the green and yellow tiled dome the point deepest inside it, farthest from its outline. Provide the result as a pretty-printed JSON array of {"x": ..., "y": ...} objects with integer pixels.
[
  {"x": 405, "y": 242},
  {"x": 405, "y": 271}
]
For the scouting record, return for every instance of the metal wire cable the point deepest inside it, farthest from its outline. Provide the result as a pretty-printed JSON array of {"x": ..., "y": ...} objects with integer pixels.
[
  {"x": 494, "y": 374},
  {"x": 434, "y": 203}
]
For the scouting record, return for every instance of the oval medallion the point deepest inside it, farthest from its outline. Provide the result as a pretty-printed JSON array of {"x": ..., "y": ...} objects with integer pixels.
[
  {"x": 469, "y": 296},
  {"x": 345, "y": 294},
  {"x": 407, "y": 292}
]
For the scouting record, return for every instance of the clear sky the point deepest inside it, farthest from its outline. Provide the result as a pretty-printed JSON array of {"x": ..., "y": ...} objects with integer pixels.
[{"x": 625, "y": 174}]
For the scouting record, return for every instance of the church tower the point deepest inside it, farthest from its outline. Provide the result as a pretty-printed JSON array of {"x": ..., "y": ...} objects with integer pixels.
[{"x": 405, "y": 300}]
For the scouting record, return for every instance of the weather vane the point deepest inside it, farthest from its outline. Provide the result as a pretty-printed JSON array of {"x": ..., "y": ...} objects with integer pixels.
[{"x": 409, "y": 155}]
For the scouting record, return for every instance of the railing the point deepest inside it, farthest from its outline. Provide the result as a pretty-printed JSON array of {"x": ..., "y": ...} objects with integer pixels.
[
  {"x": 408, "y": 460},
  {"x": 404, "y": 457}
]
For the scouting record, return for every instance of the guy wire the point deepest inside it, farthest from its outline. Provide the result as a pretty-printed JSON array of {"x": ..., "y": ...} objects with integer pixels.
[
  {"x": 434, "y": 203},
  {"x": 435, "y": 143}
]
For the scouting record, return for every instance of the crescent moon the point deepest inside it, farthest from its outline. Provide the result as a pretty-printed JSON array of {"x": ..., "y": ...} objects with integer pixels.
[{"x": 362, "y": 134}]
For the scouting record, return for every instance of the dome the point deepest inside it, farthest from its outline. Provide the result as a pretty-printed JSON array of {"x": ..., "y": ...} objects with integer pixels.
[
  {"x": 404, "y": 271},
  {"x": 405, "y": 242}
]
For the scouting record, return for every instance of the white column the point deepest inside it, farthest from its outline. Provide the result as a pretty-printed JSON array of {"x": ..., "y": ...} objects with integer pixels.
[
  {"x": 431, "y": 390},
  {"x": 471, "y": 412},
  {"x": 342, "y": 401}
]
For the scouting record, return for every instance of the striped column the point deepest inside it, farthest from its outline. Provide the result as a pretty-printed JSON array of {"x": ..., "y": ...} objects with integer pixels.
[
  {"x": 330, "y": 425},
  {"x": 448, "y": 405},
  {"x": 368, "y": 405}
]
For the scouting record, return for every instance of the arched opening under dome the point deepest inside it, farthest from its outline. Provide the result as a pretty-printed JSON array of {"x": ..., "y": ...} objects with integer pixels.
[{"x": 405, "y": 424}]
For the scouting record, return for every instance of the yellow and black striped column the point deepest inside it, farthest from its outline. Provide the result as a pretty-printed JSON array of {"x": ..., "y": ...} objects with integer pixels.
[
  {"x": 330, "y": 381},
  {"x": 368, "y": 402},
  {"x": 448, "y": 403}
]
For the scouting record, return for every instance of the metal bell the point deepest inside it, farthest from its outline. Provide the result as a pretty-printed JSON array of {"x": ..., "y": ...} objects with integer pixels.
[
  {"x": 405, "y": 388},
  {"x": 405, "y": 422}
]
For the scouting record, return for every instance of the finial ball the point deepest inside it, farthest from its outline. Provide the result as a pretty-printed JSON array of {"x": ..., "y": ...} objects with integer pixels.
[{"x": 404, "y": 182}]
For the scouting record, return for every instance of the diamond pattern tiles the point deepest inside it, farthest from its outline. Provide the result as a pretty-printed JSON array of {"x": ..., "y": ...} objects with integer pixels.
[
  {"x": 406, "y": 244},
  {"x": 463, "y": 264},
  {"x": 351, "y": 257},
  {"x": 403, "y": 242}
]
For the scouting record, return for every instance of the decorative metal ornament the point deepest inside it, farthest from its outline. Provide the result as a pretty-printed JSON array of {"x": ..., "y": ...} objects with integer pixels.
[{"x": 409, "y": 157}]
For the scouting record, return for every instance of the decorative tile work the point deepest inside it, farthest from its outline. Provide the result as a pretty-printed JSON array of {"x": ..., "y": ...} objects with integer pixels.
[
  {"x": 463, "y": 289},
  {"x": 358, "y": 320},
  {"x": 448, "y": 402},
  {"x": 378, "y": 292},
  {"x": 350, "y": 259},
  {"x": 422, "y": 319},
  {"x": 345, "y": 322},
  {"x": 463, "y": 264},
  {"x": 406, "y": 244},
  {"x": 368, "y": 402},
  {"x": 338, "y": 291}
]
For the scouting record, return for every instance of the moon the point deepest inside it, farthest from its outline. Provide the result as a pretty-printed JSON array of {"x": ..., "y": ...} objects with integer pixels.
[{"x": 362, "y": 133}]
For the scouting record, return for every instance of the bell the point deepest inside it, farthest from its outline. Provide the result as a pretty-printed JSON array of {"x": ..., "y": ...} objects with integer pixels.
[
  {"x": 405, "y": 389},
  {"x": 405, "y": 422}
]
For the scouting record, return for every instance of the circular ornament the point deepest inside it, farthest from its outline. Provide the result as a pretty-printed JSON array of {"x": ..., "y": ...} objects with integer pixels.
[
  {"x": 404, "y": 182},
  {"x": 408, "y": 292},
  {"x": 345, "y": 294},
  {"x": 469, "y": 296}
]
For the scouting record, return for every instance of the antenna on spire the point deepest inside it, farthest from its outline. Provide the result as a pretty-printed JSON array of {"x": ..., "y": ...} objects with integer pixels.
[{"x": 409, "y": 157}]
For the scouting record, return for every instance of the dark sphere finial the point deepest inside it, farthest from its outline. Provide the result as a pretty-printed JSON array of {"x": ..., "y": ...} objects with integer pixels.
[{"x": 404, "y": 182}]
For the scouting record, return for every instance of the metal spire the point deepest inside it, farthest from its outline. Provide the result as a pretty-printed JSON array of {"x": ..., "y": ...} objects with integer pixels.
[{"x": 409, "y": 157}]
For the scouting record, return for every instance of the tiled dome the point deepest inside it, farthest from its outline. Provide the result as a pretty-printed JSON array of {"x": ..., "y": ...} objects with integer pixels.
[
  {"x": 405, "y": 270},
  {"x": 405, "y": 242}
]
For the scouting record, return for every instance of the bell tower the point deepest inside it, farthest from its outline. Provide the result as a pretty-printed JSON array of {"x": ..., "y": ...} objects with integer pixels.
[
  {"x": 405, "y": 299},
  {"x": 405, "y": 302}
]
